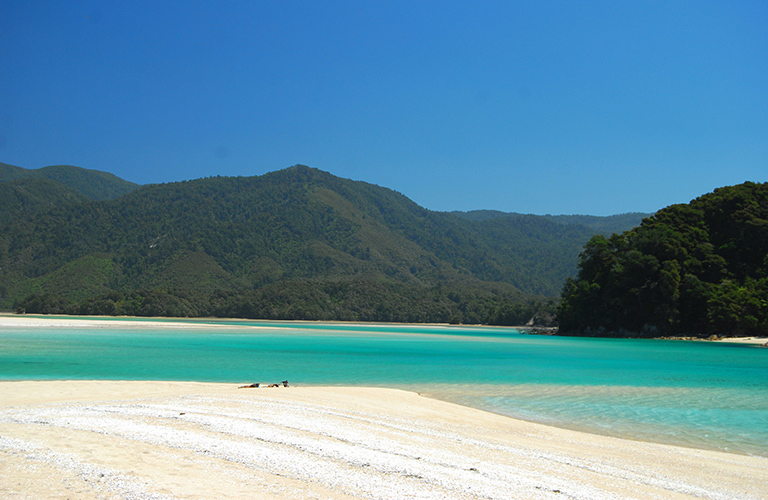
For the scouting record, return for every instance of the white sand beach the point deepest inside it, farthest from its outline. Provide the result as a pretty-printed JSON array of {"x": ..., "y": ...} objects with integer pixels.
[
  {"x": 164, "y": 440},
  {"x": 745, "y": 340},
  {"x": 42, "y": 321}
]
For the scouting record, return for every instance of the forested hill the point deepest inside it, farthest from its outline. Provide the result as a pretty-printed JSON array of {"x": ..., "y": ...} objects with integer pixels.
[
  {"x": 93, "y": 184},
  {"x": 694, "y": 269},
  {"x": 296, "y": 243},
  {"x": 23, "y": 198},
  {"x": 606, "y": 225}
]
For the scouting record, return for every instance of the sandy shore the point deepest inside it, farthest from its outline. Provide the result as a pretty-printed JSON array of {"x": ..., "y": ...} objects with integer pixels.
[
  {"x": 15, "y": 320},
  {"x": 10, "y": 320},
  {"x": 158, "y": 440},
  {"x": 745, "y": 340}
]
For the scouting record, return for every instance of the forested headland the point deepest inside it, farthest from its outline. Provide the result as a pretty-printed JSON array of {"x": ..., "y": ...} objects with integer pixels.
[{"x": 695, "y": 269}]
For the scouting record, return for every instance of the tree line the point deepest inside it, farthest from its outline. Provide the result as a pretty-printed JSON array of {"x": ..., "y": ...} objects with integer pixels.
[{"x": 338, "y": 300}]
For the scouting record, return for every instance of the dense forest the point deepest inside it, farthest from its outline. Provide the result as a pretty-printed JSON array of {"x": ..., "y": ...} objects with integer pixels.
[
  {"x": 91, "y": 184},
  {"x": 694, "y": 269},
  {"x": 293, "y": 244}
]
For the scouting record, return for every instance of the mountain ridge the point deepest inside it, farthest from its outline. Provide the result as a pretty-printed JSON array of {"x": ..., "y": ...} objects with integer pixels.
[
  {"x": 299, "y": 231},
  {"x": 605, "y": 224},
  {"x": 96, "y": 185}
]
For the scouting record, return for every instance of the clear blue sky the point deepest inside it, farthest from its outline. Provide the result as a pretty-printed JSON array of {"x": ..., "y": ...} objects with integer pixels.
[{"x": 534, "y": 107}]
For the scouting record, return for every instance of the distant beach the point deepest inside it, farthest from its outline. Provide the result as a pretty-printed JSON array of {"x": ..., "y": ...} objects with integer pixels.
[
  {"x": 99, "y": 439},
  {"x": 8, "y": 319},
  {"x": 98, "y": 322}
]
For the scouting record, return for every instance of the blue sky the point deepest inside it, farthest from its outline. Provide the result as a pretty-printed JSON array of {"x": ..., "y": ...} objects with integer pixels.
[{"x": 534, "y": 107}]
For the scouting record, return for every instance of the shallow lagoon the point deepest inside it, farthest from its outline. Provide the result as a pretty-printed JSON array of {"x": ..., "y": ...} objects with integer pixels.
[{"x": 701, "y": 394}]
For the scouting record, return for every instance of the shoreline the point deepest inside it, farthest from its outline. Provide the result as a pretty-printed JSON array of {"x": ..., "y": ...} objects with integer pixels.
[
  {"x": 213, "y": 440},
  {"x": 8, "y": 319}
]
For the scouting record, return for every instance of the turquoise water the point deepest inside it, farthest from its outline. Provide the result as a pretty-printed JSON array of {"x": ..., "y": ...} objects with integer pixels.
[{"x": 711, "y": 395}]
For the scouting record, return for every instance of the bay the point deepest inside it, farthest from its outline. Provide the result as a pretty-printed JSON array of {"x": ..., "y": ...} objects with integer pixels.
[{"x": 700, "y": 394}]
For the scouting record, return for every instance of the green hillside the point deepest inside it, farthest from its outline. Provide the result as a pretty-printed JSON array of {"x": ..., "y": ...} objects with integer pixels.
[
  {"x": 20, "y": 199},
  {"x": 297, "y": 243},
  {"x": 94, "y": 184},
  {"x": 605, "y": 225},
  {"x": 692, "y": 269},
  {"x": 10, "y": 172}
]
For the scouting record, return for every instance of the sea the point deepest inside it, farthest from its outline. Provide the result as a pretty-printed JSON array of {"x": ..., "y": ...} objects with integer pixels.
[{"x": 697, "y": 394}]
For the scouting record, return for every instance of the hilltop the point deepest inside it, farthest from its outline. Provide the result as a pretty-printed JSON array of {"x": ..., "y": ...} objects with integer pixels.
[{"x": 92, "y": 184}]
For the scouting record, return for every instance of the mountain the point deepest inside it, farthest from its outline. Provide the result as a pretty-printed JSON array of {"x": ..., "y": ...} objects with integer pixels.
[
  {"x": 695, "y": 269},
  {"x": 20, "y": 199},
  {"x": 296, "y": 243},
  {"x": 605, "y": 225},
  {"x": 93, "y": 184}
]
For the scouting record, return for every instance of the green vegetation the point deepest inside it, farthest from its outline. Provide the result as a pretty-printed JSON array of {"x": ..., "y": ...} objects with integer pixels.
[
  {"x": 694, "y": 269},
  {"x": 604, "y": 225},
  {"x": 20, "y": 199},
  {"x": 293, "y": 244},
  {"x": 92, "y": 184},
  {"x": 338, "y": 300}
]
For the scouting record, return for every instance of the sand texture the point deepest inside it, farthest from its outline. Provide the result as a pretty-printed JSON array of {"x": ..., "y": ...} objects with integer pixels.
[{"x": 162, "y": 440}]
